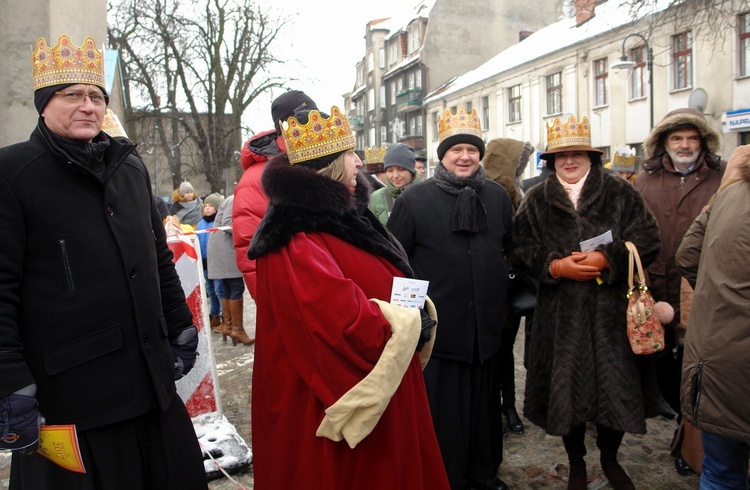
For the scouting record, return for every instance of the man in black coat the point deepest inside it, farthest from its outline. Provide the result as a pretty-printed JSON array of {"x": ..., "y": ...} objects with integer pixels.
[
  {"x": 94, "y": 327},
  {"x": 456, "y": 228}
]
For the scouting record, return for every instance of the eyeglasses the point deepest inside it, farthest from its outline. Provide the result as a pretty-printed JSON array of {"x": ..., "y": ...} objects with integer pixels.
[{"x": 77, "y": 98}]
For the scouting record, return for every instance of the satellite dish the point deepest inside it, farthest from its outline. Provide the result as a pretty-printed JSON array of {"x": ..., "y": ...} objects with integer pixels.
[{"x": 698, "y": 99}]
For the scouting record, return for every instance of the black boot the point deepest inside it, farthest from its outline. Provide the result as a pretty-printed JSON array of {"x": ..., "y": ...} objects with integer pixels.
[
  {"x": 576, "y": 449},
  {"x": 608, "y": 441},
  {"x": 514, "y": 421}
]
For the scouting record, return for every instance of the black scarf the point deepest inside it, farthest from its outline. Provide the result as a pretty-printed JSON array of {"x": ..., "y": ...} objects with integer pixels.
[
  {"x": 469, "y": 214},
  {"x": 90, "y": 155}
]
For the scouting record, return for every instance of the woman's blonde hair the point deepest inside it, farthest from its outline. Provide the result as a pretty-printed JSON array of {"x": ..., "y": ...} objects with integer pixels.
[{"x": 336, "y": 170}]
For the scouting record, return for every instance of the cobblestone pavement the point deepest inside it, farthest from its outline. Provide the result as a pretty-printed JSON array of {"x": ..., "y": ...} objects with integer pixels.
[{"x": 533, "y": 460}]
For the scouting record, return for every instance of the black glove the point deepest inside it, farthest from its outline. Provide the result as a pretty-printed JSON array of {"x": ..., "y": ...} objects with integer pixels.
[
  {"x": 19, "y": 423},
  {"x": 184, "y": 349},
  {"x": 426, "y": 333}
]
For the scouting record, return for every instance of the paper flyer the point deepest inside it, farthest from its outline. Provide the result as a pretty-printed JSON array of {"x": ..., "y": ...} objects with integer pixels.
[
  {"x": 59, "y": 444},
  {"x": 409, "y": 293},
  {"x": 593, "y": 243}
]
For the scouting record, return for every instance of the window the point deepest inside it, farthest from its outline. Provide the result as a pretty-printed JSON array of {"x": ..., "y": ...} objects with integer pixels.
[
  {"x": 412, "y": 126},
  {"x": 382, "y": 96},
  {"x": 485, "y": 113},
  {"x": 554, "y": 93},
  {"x": 393, "y": 93},
  {"x": 600, "y": 82},
  {"x": 637, "y": 78},
  {"x": 360, "y": 75},
  {"x": 468, "y": 107},
  {"x": 413, "y": 38},
  {"x": 744, "y": 45},
  {"x": 381, "y": 57},
  {"x": 383, "y": 134},
  {"x": 454, "y": 109},
  {"x": 411, "y": 81},
  {"x": 393, "y": 57},
  {"x": 370, "y": 62},
  {"x": 419, "y": 125},
  {"x": 371, "y": 99},
  {"x": 418, "y": 76},
  {"x": 434, "y": 126},
  {"x": 514, "y": 104},
  {"x": 682, "y": 61},
  {"x": 399, "y": 85}
]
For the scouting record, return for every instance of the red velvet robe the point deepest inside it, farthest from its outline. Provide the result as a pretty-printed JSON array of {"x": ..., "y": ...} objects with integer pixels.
[{"x": 318, "y": 335}]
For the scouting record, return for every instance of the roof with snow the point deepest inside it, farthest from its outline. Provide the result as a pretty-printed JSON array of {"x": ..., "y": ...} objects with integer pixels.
[{"x": 555, "y": 37}]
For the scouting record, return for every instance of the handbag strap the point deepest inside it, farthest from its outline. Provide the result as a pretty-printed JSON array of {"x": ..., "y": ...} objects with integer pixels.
[{"x": 633, "y": 257}]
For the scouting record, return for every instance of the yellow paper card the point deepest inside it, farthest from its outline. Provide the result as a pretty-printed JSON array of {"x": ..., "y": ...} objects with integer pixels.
[{"x": 59, "y": 444}]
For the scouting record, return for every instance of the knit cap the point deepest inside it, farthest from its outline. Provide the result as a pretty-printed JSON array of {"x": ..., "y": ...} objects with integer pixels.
[
  {"x": 186, "y": 187},
  {"x": 400, "y": 155},
  {"x": 214, "y": 200}
]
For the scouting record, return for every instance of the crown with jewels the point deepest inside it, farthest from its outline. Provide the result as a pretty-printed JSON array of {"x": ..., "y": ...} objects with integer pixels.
[
  {"x": 375, "y": 154},
  {"x": 624, "y": 159},
  {"x": 319, "y": 137},
  {"x": 67, "y": 63},
  {"x": 572, "y": 133},
  {"x": 460, "y": 123},
  {"x": 111, "y": 125}
]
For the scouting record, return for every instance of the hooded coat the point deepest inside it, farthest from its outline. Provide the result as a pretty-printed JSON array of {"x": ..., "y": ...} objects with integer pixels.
[
  {"x": 250, "y": 201},
  {"x": 674, "y": 199},
  {"x": 581, "y": 368},
  {"x": 321, "y": 256},
  {"x": 715, "y": 258}
]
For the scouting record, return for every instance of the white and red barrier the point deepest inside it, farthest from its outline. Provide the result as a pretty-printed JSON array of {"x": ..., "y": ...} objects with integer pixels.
[{"x": 199, "y": 388}]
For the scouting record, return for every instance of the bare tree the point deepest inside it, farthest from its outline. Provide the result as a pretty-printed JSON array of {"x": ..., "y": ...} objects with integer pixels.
[
  {"x": 211, "y": 58},
  {"x": 708, "y": 19}
]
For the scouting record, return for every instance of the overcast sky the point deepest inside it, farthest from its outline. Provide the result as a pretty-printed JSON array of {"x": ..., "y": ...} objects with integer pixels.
[{"x": 327, "y": 39}]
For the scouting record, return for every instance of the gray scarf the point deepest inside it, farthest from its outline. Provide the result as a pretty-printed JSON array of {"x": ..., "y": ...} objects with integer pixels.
[{"x": 469, "y": 214}]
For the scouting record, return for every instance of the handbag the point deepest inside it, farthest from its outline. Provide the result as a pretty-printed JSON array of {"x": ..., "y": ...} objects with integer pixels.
[
  {"x": 521, "y": 293},
  {"x": 645, "y": 332}
]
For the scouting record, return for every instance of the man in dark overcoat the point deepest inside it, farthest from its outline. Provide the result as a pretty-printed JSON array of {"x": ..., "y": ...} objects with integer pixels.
[
  {"x": 94, "y": 327},
  {"x": 456, "y": 228}
]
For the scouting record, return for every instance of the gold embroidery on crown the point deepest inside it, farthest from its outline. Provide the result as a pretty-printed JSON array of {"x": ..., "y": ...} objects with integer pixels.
[
  {"x": 111, "y": 125},
  {"x": 460, "y": 123},
  {"x": 572, "y": 133},
  {"x": 375, "y": 154},
  {"x": 319, "y": 137},
  {"x": 624, "y": 157},
  {"x": 67, "y": 63}
]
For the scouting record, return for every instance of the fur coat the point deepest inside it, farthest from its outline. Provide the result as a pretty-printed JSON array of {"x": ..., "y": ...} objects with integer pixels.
[
  {"x": 581, "y": 368},
  {"x": 322, "y": 260}
]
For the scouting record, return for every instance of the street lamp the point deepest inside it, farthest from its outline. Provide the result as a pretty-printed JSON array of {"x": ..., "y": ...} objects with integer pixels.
[{"x": 625, "y": 64}]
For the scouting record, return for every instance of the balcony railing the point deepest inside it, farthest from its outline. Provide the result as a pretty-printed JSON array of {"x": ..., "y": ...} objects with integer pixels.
[
  {"x": 409, "y": 100},
  {"x": 357, "y": 121}
]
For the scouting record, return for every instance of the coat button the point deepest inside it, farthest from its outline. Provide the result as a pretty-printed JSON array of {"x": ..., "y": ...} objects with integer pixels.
[
  {"x": 132, "y": 273},
  {"x": 471, "y": 304},
  {"x": 145, "y": 340},
  {"x": 110, "y": 211}
]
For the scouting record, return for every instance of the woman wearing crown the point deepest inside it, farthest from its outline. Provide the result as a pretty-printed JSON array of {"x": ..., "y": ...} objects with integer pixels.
[
  {"x": 338, "y": 394},
  {"x": 581, "y": 368}
]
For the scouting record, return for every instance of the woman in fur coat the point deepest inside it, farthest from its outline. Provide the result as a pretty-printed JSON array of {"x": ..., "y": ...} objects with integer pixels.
[
  {"x": 581, "y": 368},
  {"x": 339, "y": 399}
]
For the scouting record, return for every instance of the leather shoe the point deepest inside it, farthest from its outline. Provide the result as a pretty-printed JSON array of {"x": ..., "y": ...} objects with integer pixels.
[
  {"x": 682, "y": 467},
  {"x": 665, "y": 409},
  {"x": 514, "y": 421},
  {"x": 489, "y": 484}
]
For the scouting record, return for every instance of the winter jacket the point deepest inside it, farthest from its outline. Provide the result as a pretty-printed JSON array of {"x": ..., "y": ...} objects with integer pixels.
[
  {"x": 581, "y": 368},
  {"x": 674, "y": 199},
  {"x": 321, "y": 257},
  {"x": 87, "y": 305},
  {"x": 203, "y": 238},
  {"x": 250, "y": 201},
  {"x": 379, "y": 201},
  {"x": 189, "y": 212},
  {"x": 221, "y": 261},
  {"x": 715, "y": 258},
  {"x": 468, "y": 273}
]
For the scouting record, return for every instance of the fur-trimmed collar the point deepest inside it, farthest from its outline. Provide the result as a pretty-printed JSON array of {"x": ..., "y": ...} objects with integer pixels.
[
  {"x": 303, "y": 201},
  {"x": 654, "y": 143},
  {"x": 556, "y": 195}
]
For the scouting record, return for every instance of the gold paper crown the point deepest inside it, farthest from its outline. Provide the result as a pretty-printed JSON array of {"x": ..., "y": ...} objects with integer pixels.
[
  {"x": 624, "y": 159},
  {"x": 460, "y": 123},
  {"x": 570, "y": 134},
  {"x": 375, "y": 154},
  {"x": 111, "y": 125},
  {"x": 319, "y": 137},
  {"x": 67, "y": 63}
]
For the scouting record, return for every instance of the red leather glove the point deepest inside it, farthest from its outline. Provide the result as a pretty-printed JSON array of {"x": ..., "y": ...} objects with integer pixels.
[
  {"x": 597, "y": 259},
  {"x": 570, "y": 268}
]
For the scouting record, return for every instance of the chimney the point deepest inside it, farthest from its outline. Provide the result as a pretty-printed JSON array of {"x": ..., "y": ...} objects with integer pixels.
[
  {"x": 524, "y": 34},
  {"x": 584, "y": 10}
]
